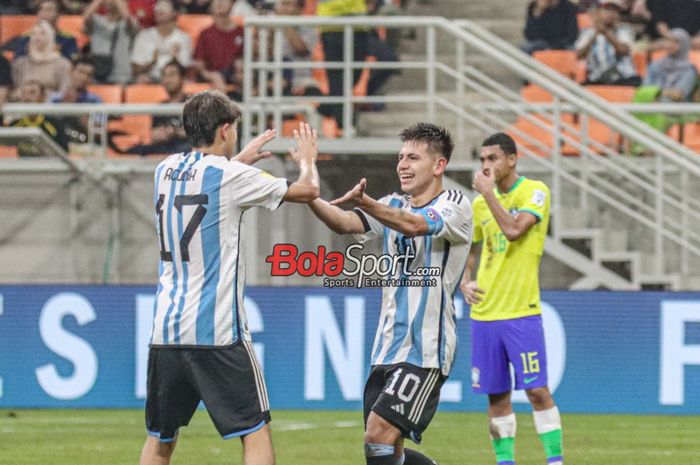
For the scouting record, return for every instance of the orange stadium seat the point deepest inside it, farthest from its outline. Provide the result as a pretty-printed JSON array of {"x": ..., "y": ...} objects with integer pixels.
[
  {"x": 619, "y": 94},
  {"x": 73, "y": 24},
  {"x": 564, "y": 61},
  {"x": 536, "y": 94},
  {"x": 640, "y": 63},
  {"x": 7, "y": 151},
  {"x": 193, "y": 25},
  {"x": 14, "y": 25},
  {"x": 688, "y": 135},
  {"x": 196, "y": 87},
  {"x": 145, "y": 93},
  {"x": 541, "y": 136},
  {"x": 109, "y": 93}
]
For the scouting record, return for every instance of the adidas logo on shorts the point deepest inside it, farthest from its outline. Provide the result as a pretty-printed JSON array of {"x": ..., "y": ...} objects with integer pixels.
[{"x": 398, "y": 408}]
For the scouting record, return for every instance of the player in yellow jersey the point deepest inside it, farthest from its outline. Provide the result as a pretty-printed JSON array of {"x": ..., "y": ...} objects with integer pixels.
[{"x": 510, "y": 222}]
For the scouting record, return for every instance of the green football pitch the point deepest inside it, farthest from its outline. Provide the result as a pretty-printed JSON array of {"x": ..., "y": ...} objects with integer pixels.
[{"x": 97, "y": 437}]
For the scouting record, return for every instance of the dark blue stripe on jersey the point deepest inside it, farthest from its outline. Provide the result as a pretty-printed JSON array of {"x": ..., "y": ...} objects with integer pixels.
[
  {"x": 394, "y": 203},
  {"x": 211, "y": 251},
  {"x": 160, "y": 262},
  {"x": 169, "y": 209},
  {"x": 236, "y": 327},
  {"x": 415, "y": 355},
  {"x": 192, "y": 158},
  {"x": 441, "y": 329}
]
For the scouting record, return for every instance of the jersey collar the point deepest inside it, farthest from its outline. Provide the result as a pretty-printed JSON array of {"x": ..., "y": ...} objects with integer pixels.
[{"x": 515, "y": 186}]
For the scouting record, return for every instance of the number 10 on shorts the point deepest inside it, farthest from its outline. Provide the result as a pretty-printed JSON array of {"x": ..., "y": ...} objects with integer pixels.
[{"x": 530, "y": 362}]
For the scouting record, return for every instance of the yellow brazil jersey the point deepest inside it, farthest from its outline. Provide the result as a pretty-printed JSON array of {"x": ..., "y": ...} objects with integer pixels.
[
  {"x": 340, "y": 8},
  {"x": 508, "y": 271}
]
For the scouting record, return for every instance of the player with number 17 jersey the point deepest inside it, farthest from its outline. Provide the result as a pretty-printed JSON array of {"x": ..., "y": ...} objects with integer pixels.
[{"x": 200, "y": 202}]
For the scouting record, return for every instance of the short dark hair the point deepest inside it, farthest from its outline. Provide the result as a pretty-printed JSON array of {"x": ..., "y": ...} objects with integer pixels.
[
  {"x": 439, "y": 139},
  {"x": 204, "y": 112},
  {"x": 175, "y": 63},
  {"x": 503, "y": 140}
]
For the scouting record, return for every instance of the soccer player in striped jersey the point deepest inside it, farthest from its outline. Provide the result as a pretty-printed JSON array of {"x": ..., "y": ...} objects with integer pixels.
[
  {"x": 416, "y": 338},
  {"x": 201, "y": 348},
  {"x": 510, "y": 218}
]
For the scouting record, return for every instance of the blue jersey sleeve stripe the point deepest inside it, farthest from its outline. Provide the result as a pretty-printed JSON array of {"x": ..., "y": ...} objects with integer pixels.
[
  {"x": 211, "y": 251},
  {"x": 415, "y": 355}
]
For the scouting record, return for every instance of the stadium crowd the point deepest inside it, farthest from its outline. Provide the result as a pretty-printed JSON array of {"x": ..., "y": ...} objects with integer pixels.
[{"x": 180, "y": 46}]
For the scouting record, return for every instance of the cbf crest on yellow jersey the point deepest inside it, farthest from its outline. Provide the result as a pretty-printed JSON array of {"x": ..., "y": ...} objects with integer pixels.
[{"x": 508, "y": 271}]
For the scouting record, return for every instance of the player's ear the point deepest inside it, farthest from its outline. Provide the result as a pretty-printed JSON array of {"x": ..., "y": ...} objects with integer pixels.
[{"x": 440, "y": 166}]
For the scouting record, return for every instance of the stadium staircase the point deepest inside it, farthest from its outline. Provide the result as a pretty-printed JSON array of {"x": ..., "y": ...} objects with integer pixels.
[{"x": 618, "y": 221}]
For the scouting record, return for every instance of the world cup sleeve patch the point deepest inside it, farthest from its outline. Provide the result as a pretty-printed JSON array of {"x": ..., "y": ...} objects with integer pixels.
[
  {"x": 433, "y": 219},
  {"x": 539, "y": 197}
]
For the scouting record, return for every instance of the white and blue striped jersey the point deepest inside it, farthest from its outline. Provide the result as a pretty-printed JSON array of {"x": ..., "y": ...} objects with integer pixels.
[
  {"x": 199, "y": 204},
  {"x": 417, "y": 324}
]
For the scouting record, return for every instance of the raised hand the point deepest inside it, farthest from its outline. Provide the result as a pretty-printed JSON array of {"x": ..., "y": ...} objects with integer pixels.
[
  {"x": 483, "y": 183},
  {"x": 251, "y": 152},
  {"x": 306, "y": 150},
  {"x": 354, "y": 197}
]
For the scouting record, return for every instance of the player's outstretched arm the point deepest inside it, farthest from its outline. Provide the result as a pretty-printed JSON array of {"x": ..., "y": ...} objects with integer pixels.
[
  {"x": 251, "y": 153},
  {"x": 407, "y": 223},
  {"x": 306, "y": 187},
  {"x": 337, "y": 219}
]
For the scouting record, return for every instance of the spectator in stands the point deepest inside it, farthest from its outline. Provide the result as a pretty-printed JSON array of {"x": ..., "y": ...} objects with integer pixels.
[
  {"x": 48, "y": 11},
  {"x": 674, "y": 74},
  {"x": 76, "y": 127},
  {"x": 143, "y": 11},
  {"x": 111, "y": 35},
  {"x": 5, "y": 79},
  {"x": 551, "y": 24},
  {"x": 671, "y": 14},
  {"x": 74, "y": 7},
  {"x": 297, "y": 46},
  {"x": 157, "y": 46},
  {"x": 168, "y": 134},
  {"x": 607, "y": 48},
  {"x": 379, "y": 49},
  {"x": 13, "y": 7},
  {"x": 81, "y": 76},
  {"x": 194, "y": 7},
  {"x": 43, "y": 63},
  {"x": 333, "y": 46},
  {"x": 218, "y": 46},
  {"x": 32, "y": 91}
]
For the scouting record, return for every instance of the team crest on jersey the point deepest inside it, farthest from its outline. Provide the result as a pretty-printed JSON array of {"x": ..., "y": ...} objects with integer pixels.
[
  {"x": 432, "y": 214},
  {"x": 475, "y": 377}
]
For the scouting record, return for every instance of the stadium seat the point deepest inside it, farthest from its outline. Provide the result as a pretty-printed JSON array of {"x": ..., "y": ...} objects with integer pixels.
[
  {"x": 14, "y": 25},
  {"x": 540, "y": 135},
  {"x": 193, "y": 25},
  {"x": 7, "y": 151},
  {"x": 109, "y": 93},
  {"x": 196, "y": 87},
  {"x": 145, "y": 93},
  {"x": 73, "y": 24},
  {"x": 640, "y": 63},
  {"x": 564, "y": 61},
  {"x": 618, "y": 94},
  {"x": 310, "y": 7},
  {"x": 535, "y": 94},
  {"x": 688, "y": 134}
]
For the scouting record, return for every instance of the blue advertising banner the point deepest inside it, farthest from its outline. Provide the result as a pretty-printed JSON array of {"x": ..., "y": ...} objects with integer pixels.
[{"x": 86, "y": 346}]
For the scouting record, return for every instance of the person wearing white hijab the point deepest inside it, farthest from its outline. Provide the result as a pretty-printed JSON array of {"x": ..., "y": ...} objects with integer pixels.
[
  {"x": 43, "y": 61},
  {"x": 674, "y": 74}
]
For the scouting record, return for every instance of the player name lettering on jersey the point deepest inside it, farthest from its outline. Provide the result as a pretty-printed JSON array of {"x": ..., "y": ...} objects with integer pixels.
[{"x": 174, "y": 174}]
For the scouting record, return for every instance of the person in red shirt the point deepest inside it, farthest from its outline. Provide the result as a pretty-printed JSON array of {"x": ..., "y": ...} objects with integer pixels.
[
  {"x": 218, "y": 46},
  {"x": 143, "y": 11}
]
